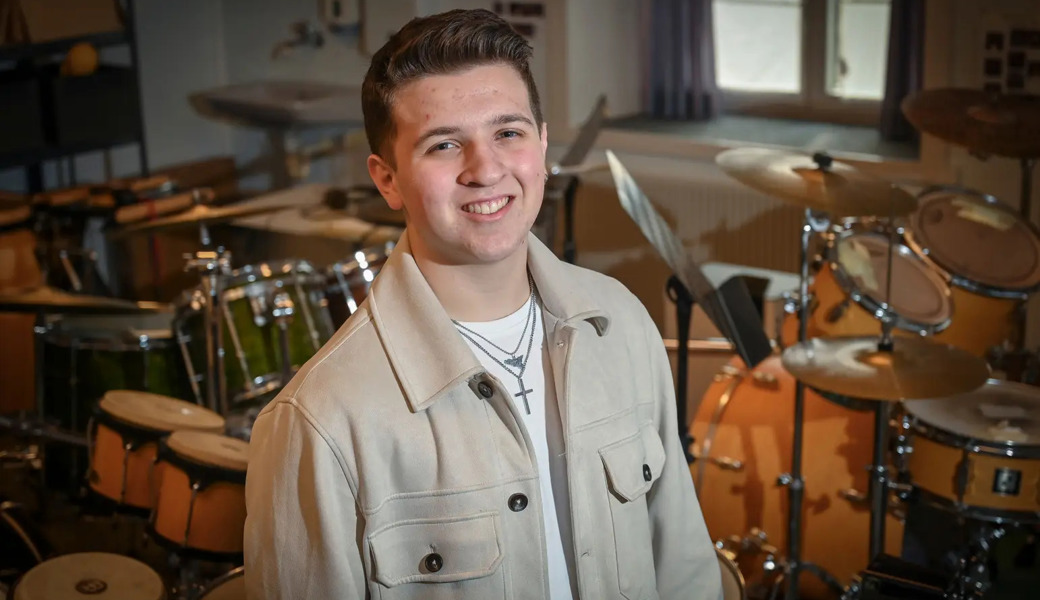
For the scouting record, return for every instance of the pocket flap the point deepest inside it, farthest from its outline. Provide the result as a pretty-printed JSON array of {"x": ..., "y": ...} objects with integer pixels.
[
  {"x": 634, "y": 463},
  {"x": 468, "y": 548}
]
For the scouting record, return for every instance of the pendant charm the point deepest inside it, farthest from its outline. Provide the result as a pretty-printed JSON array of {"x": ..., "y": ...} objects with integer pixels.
[{"x": 516, "y": 362}]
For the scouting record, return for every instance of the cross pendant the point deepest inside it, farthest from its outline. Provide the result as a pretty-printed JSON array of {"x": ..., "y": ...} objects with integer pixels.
[{"x": 523, "y": 393}]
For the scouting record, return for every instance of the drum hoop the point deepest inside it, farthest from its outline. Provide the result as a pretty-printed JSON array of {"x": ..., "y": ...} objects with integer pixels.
[
  {"x": 124, "y": 341},
  {"x": 372, "y": 254},
  {"x": 133, "y": 433},
  {"x": 219, "y": 581},
  {"x": 252, "y": 273},
  {"x": 205, "y": 474},
  {"x": 991, "y": 515},
  {"x": 972, "y": 445},
  {"x": 961, "y": 281},
  {"x": 733, "y": 569},
  {"x": 874, "y": 307}
]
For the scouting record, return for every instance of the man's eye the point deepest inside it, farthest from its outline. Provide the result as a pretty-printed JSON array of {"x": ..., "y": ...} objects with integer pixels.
[
  {"x": 442, "y": 146},
  {"x": 512, "y": 133}
]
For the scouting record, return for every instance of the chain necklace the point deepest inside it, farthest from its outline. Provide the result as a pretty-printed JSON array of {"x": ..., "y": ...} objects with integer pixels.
[
  {"x": 517, "y": 362},
  {"x": 513, "y": 360}
]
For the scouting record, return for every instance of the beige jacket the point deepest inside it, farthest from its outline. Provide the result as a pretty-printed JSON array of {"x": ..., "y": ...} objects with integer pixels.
[{"x": 393, "y": 445}]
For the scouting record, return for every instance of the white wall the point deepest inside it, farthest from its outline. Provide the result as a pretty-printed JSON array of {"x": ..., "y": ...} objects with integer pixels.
[{"x": 602, "y": 57}]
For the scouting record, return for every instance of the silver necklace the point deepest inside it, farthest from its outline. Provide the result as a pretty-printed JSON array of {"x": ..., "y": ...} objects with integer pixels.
[
  {"x": 513, "y": 360},
  {"x": 519, "y": 362}
]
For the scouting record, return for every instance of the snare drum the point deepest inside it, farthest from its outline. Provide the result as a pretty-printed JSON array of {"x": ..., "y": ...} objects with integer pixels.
[
  {"x": 90, "y": 576},
  {"x": 977, "y": 453},
  {"x": 259, "y": 301},
  {"x": 229, "y": 586},
  {"x": 201, "y": 503},
  {"x": 848, "y": 291},
  {"x": 125, "y": 442},
  {"x": 743, "y": 429},
  {"x": 990, "y": 254},
  {"x": 350, "y": 281},
  {"x": 732, "y": 578}
]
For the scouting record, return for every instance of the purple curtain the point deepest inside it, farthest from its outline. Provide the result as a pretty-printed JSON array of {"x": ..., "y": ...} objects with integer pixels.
[
  {"x": 905, "y": 69},
  {"x": 679, "y": 59}
]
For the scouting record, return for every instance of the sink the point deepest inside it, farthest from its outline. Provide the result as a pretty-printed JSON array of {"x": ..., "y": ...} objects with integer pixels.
[{"x": 281, "y": 104}]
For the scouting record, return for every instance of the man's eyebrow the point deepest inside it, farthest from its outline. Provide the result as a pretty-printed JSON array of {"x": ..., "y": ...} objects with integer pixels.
[{"x": 504, "y": 119}]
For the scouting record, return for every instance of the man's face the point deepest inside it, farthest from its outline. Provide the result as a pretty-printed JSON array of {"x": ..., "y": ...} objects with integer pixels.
[{"x": 470, "y": 165}]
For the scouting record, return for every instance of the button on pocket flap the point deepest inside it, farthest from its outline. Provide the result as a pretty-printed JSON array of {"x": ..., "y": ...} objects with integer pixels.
[
  {"x": 436, "y": 550},
  {"x": 634, "y": 463}
]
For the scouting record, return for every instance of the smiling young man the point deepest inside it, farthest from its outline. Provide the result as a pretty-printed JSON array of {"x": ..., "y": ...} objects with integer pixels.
[{"x": 491, "y": 422}]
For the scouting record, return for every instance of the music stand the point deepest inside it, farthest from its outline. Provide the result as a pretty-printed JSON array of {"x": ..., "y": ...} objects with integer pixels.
[{"x": 730, "y": 307}]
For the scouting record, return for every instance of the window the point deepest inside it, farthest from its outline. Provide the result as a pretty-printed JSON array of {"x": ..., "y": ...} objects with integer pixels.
[{"x": 819, "y": 59}]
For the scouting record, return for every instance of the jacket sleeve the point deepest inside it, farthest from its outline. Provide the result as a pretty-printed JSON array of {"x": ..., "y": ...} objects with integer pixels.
[
  {"x": 301, "y": 531},
  {"x": 684, "y": 555}
]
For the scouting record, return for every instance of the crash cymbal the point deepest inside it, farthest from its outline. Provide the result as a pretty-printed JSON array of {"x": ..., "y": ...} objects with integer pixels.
[
  {"x": 914, "y": 368},
  {"x": 364, "y": 203},
  {"x": 983, "y": 122},
  {"x": 816, "y": 182},
  {"x": 51, "y": 300},
  {"x": 197, "y": 215}
]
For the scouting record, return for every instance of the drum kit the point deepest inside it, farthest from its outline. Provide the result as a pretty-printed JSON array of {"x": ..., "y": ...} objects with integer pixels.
[
  {"x": 143, "y": 410},
  {"x": 887, "y": 353}
]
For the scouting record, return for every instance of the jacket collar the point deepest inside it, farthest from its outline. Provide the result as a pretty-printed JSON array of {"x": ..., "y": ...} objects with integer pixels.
[{"x": 427, "y": 354}]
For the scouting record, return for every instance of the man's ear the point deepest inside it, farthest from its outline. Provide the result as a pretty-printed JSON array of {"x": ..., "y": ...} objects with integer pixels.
[
  {"x": 545, "y": 137},
  {"x": 386, "y": 181}
]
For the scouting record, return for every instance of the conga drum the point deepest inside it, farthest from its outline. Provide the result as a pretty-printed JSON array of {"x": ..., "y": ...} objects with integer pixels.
[
  {"x": 126, "y": 439},
  {"x": 201, "y": 504},
  {"x": 90, "y": 576}
]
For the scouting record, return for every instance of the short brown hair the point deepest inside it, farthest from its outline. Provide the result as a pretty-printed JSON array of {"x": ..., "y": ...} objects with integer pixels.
[{"x": 437, "y": 45}]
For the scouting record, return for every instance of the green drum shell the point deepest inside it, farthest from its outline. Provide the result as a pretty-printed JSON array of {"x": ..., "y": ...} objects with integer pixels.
[{"x": 252, "y": 349}]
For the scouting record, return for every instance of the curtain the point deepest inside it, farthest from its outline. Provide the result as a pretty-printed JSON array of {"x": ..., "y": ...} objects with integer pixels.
[
  {"x": 679, "y": 58},
  {"x": 904, "y": 73}
]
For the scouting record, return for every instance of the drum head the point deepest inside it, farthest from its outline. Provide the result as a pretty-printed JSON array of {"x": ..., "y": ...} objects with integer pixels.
[
  {"x": 211, "y": 449},
  {"x": 999, "y": 413},
  {"x": 978, "y": 241},
  {"x": 920, "y": 297},
  {"x": 93, "y": 576},
  {"x": 732, "y": 578},
  {"x": 119, "y": 329},
  {"x": 230, "y": 586},
  {"x": 157, "y": 412}
]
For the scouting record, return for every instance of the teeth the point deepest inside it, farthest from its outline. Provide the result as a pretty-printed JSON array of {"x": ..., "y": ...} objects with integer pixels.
[{"x": 486, "y": 208}]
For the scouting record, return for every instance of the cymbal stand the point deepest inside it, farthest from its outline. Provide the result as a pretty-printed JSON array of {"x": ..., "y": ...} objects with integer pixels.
[
  {"x": 793, "y": 480},
  {"x": 213, "y": 266}
]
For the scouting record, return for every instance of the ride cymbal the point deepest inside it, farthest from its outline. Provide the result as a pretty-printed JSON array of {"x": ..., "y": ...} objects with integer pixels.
[
  {"x": 983, "y": 122},
  {"x": 815, "y": 182},
  {"x": 51, "y": 300},
  {"x": 198, "y": 215},
  {"x": 915, "y": 368}
]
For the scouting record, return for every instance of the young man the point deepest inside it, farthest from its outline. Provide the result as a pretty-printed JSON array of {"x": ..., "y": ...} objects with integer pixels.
[{"x": 491, "y": 422}]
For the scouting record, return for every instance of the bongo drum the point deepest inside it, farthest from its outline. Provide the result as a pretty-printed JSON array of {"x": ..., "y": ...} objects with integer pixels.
[
  {"x": 126, "y": 437},
  {"x": 989, "y": 253},
  {"x": 201, "y": 505},
  {"x": 90, "y": 575}
]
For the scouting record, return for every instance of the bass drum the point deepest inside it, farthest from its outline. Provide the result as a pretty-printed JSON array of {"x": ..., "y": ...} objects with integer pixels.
[{"x": 743, "y": 434}]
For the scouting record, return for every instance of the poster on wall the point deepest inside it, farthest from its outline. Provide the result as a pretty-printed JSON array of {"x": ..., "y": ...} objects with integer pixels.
[{"x": 1010, "y": 53}]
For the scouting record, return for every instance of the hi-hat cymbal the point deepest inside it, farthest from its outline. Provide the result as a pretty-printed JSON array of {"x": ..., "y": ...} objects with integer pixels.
[
  {"x": 197, "y": 215},
  {"x": 984, "y": 122},
  {"x": 51, "y": 300},
  {"x": 815, "y": 182},
  {"x": 914, "y": 368}
]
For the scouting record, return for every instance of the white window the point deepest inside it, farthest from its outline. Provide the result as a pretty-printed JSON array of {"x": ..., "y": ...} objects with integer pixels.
[{"x": 820, "y": 59}]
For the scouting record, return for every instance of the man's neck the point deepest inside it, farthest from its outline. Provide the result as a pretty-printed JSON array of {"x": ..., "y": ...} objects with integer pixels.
[{"x": 476, "y": 293}]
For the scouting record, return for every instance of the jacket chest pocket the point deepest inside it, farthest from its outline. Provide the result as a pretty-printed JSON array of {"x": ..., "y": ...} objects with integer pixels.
[
  {"x": 439, "y": 558},
  {"x": 632, "y": 467}
]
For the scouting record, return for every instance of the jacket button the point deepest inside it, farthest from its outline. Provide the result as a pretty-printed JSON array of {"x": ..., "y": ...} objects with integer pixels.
[
  {"x": 647, "y": 475},
  {"x": 517, "y": 502},
  {"x": 433, "y": 562},
  {"x": 485, "y": 389}
]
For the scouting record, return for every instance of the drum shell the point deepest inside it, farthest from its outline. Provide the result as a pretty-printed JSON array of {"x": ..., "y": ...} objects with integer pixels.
[
  {"x": 253, "y": 357},
  {"x": 107, "y": 470},
  {"x": 217, "y": 513},
  {"x": 756, "y": 427},
  {"x": 18, "y": 269},
  {"x": 980, "y": 322}
]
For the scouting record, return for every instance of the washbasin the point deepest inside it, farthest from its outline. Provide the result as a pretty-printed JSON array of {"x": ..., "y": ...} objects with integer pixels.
[{"x": 281, "y": 104}]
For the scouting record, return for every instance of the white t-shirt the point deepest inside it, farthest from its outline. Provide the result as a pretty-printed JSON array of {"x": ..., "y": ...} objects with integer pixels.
[{"x": 543, "y": 426}]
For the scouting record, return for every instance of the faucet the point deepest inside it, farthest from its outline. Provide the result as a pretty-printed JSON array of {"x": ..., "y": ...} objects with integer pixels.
[{"x": 306, "y": 34}]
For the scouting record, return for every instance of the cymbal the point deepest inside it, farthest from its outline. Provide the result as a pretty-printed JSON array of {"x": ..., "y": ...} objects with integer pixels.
[
  {"x": 915, "y": 368},
  {"x": 51, "y": 300},
  {"x": 984, "y": 122},
  {"x": 838, "y": 189},
  {"x": 197, "y": 215},
  {"x": 364, "y": 203}
]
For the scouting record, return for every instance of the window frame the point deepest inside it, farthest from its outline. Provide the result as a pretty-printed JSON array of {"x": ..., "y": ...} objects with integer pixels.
[{"x": 813, "y": 103}]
